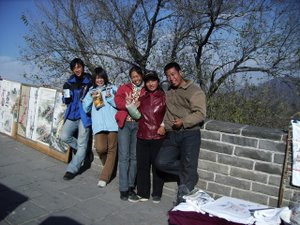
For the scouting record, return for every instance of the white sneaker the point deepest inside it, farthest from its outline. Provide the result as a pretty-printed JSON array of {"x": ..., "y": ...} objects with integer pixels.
[
  {"x": 143, "y": 199},
  {"x": 101, "y": 183}
]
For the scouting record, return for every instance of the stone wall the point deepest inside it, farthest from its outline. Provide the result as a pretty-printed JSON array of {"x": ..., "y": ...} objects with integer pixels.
[{"x": 242, "y": 161}]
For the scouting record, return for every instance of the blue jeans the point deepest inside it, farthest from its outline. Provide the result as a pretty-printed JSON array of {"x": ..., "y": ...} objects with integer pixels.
[
  {"x": 127, "y": 155},
  {"x": 179, "y": 156},
  {"x": 80, "y": 143}
]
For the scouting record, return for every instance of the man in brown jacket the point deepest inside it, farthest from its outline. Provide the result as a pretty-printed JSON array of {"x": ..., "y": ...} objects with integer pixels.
[{"x": 186, "y": 110}]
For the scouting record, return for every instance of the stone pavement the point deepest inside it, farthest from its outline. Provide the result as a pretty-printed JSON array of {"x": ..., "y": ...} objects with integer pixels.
[{"x": 32, "y": 191}]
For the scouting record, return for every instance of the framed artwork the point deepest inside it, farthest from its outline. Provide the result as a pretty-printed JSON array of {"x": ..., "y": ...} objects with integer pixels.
[
  {"x": 9, "y": 106},
  {"x": 57, "y": 124},
  {"x": 23, "y": 110},
  {"x": 33, "y": 94},
  {"x": 44, "y": 115},
  {"x": 33, "y": 116}
]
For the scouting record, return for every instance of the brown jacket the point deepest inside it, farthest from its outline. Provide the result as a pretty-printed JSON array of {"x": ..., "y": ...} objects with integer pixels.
[{"x": 187, "y": 103}]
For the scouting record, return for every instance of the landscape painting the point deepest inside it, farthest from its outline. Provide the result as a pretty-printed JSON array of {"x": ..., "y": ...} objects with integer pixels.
[
  {"x": 44, "y": 115},
  {"x": 9, "y": 102},
  {"x": 57, "y": 123},
  {"x": 33, "y": 94},
  {"x": 23, "y": 110}
]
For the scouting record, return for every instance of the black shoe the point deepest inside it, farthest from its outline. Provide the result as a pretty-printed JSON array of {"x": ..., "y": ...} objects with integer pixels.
[
  {"x": 124, "y": 195},
  {"x": 156, "y": 199},
  {"x": 131, "y": 191},
  {"x": 179, "y": 199},
  {"x": 69, "y": 176},
  {"x": 132, "y": 196},
  {"x": 135, "y": 198}
]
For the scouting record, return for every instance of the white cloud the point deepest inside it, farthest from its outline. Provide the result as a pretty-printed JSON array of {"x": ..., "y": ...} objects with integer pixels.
[{"x": 13, "y": 70}]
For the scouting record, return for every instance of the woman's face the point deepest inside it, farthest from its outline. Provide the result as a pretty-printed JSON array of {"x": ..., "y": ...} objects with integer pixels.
[
  {"x": 151, "y": 85},
  {"x": 136, "y": 78},
  {"x": 99, "y": 81}
]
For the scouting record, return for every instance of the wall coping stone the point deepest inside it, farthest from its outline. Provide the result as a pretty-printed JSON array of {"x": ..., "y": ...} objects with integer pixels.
[
  {"x": 226, "y": 127},
  {"x": 263, "y": 132}
]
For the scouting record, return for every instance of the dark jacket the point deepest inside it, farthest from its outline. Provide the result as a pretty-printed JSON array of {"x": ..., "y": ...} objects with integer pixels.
[
  {"x": 78, "y": 89},
  {"x": 152, "y": 108}
]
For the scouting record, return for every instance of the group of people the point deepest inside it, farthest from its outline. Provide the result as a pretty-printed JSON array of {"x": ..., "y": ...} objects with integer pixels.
[{"x": 152, "y": 133}]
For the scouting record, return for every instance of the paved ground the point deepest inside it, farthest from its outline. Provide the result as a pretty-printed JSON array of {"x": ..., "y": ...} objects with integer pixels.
[{"x": 32, "y": 192}]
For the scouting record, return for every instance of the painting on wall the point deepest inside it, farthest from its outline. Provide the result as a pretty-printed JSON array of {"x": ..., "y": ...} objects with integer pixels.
[
  {"x": 296, "y": 153},
  {"x": 44, "y": 115},
  {"x": 23, "y": 110},
  {"x": 57, "y": 123},
  {"x": 33, "y": 94},
  {"x": 9, "y": 102}
]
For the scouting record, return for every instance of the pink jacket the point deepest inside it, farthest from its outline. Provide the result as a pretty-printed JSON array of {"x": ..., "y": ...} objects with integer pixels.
[{"x": 121, "y": 103}]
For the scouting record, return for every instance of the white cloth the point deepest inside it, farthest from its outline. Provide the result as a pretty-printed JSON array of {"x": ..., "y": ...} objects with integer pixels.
[
  {"x": 296, "y": 152},
  {"x": 232, "y": 209},
  {"x": 194, "y": 202},
  {"x": 270, "y": 216}
]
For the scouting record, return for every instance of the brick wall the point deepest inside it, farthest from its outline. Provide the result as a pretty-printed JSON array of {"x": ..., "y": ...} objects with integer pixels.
[
  {"x": 241, "y": 161},
  {"x": 244, "y": 162}
]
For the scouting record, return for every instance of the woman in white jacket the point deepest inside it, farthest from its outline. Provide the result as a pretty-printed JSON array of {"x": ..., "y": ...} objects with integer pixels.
[{"x": 100, "y": 102}]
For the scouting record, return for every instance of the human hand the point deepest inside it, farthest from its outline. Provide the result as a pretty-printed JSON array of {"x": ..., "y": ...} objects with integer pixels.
[
  {"x": 107, "y": 95},
  {"x": 177, "y": 124},
  {"x": 161, "y": 130},
  {"x": 137, "y": 104},
  {"x": 128, "y": 98},
  {"x": 94, "y": 94}
]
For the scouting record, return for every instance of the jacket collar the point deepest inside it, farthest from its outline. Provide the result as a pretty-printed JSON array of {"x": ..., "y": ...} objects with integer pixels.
[{"x": 85, "y": 79}]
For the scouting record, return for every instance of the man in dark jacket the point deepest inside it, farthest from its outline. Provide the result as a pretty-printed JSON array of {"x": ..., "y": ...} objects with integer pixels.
[{"x": 76, "y": 120}]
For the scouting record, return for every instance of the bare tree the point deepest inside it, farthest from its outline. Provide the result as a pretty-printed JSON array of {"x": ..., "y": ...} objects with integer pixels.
[
  {"x": 214, "y": 40},
  {"x": 231, "y": 38},
  {"x": 113, "y": 33}
]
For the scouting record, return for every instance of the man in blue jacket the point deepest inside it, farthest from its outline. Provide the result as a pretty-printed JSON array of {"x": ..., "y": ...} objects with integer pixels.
[{"x": 76, "y": 120}]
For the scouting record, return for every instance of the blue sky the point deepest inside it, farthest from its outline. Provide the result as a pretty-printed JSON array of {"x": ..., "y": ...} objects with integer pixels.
[{"x": 11, "y": 37}]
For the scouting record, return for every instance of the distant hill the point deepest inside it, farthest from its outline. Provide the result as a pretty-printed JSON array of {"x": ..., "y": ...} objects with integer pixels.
[
  {"x": 283, "y": 89},
  {"x": 270, "y": 104}
]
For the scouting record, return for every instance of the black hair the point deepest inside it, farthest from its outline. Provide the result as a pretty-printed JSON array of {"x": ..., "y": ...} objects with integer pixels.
[
  {"x": 76, "y": 61},
  {"x": 136, "y": 69},
  {"x": 100, "y": 72},
  {"x": 172, "y": 65},
  {"x": 151, "y": 75}
]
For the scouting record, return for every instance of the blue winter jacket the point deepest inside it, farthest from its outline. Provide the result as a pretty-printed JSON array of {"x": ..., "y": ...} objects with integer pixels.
[
  {"x": 103, "y": 119},
  {"x": 78, "y": 89}
]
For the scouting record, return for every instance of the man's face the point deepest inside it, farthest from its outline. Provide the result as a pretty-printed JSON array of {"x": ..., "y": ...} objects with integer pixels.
[
  {"x": 174, "y": 77},
  {"x": 78, "y": 70}
]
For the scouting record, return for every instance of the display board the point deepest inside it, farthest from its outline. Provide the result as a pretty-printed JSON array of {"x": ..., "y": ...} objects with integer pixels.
[{"x": 34, "y": 116}]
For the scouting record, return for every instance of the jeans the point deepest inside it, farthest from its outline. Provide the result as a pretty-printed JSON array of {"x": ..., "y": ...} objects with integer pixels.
[
  {"x": 127, "y": 155},
  {"x": 80, "y": 143},
  {"x": 179, "y": 156}
]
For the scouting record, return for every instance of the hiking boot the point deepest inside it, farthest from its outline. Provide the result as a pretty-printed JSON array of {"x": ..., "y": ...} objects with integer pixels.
[
  {"x": 124, "y": 195},
  {"x": 156, "y": 199},
  {"x": 69, "y": 176}
]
